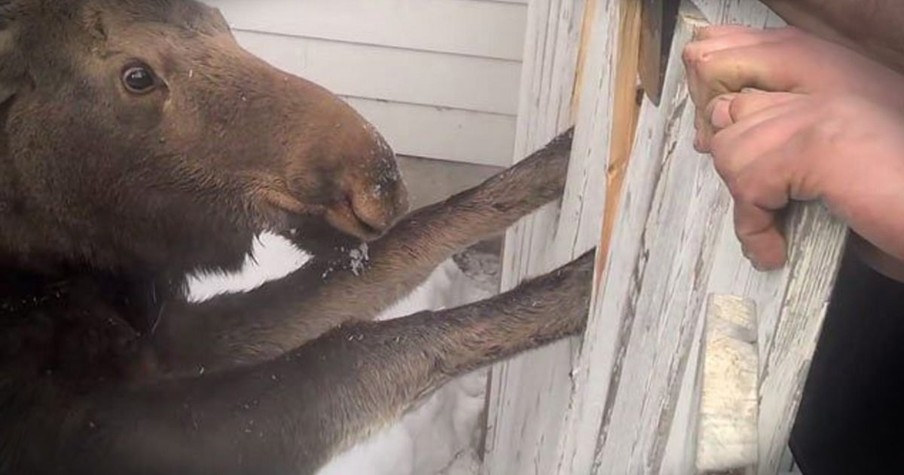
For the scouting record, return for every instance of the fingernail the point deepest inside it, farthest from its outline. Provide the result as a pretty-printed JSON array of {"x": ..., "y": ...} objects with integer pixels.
[{"x": 721, "y": 113}]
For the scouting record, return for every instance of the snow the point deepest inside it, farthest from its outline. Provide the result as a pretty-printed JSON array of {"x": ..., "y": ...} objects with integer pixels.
[{"x": 440, "y": 436}]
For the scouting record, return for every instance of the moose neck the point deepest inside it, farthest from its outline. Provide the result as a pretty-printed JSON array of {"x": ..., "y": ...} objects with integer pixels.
[
  {"x": 11, "y": 206},
  {"x": 8, "y": 185},
  {"x": 24, "y": 291},
  {"x": 32, "y": 279}
]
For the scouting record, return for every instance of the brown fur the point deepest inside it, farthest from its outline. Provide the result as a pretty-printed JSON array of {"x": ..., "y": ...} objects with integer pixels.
[{"x": 108, "y": 199}]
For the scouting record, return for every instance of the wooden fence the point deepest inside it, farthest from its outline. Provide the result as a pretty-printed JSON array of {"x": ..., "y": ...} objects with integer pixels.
[{"x": 674, "y": 297}]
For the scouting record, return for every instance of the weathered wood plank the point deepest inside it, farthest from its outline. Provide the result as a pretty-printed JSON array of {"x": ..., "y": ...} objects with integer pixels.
[
  {"x": 529, "y": 394},
  {"x": 729, "y": 407},
  {"x": 597, "y": 371},
  {"x": 792, "y": 303}
]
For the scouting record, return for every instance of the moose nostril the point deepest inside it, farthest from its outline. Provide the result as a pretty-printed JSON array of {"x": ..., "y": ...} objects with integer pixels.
[
  {"x": 379, "y": 208},
  {"x": 370, "y": 213}
]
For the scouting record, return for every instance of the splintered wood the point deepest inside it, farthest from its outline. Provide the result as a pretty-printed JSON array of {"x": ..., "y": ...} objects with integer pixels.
[{"x": 627, "y": 398}]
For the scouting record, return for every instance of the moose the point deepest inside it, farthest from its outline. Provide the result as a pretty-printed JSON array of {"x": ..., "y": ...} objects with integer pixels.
[{"x": 139, "y": 144}]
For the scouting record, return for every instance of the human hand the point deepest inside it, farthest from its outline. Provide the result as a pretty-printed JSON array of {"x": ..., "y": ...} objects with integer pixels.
[
  {"x": 818, "y": 141},
  {"x": 772, "y": 148},
  {"x": 732, "y": 58}
]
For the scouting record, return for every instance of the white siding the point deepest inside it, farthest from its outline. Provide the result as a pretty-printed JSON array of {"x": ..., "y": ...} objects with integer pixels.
[
  {"x": 469, "y": 27},
  {"x": 440, "y": 78},
  {"x": 392, "y": 74}
]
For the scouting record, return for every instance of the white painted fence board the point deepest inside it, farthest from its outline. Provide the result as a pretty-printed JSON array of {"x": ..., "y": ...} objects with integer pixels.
[
  {"x": 493, "y": 29},
  {"x": 529, "y": 393},
  {"x": 796, "y": 298},
  {"x": 446, "y": 134},
  {"x": 470, "y": 83}
]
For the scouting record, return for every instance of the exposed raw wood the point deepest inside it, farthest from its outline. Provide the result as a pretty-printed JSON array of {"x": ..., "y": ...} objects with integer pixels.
[
  {"x": 625, "y": 112},
  {"x": 525, "y": 424},
  {"x": 727, "y": 432},
  {"x": 480, "y": 28}
]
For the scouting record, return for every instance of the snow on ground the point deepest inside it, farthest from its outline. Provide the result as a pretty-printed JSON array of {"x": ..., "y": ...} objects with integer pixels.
[{"x": 440, "y": 436}]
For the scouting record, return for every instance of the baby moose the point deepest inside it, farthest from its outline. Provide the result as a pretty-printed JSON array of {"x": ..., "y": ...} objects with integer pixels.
[{"x": 140, "y": 144}]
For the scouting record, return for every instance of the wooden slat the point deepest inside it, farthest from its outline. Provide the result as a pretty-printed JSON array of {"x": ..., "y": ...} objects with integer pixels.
[
  {"x": 441, "y": 80},
  {"x": 729, "y": 403},
  {"x": 792, "y": 306},
  {"x": 528, "y": 394},
  {"x": 626, "y": 109},
  {"x": 493, "y": 29},
  {"x": 445, "y": 134},
  {"x": 644, "y": 290}
]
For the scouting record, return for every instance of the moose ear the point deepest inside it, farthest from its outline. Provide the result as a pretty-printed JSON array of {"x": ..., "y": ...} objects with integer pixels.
[
  {"x": 12, "y": 65},
  {"x": 94, "y": 22}
]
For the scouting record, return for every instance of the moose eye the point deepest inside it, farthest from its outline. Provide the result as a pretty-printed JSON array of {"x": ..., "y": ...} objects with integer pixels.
[{"x": 139, "y": 79}]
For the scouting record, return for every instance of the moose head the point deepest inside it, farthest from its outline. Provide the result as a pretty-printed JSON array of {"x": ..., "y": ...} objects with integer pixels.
[{"x": 139, "y": 134}]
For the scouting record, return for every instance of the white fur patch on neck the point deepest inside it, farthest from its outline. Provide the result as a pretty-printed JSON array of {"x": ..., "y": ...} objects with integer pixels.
[{"x": 273, "y": 257}]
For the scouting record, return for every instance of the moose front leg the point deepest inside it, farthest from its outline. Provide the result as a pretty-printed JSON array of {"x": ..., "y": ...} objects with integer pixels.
[
  {"x": 245, "y": 328},
  {"x": 292, "y": 414}
]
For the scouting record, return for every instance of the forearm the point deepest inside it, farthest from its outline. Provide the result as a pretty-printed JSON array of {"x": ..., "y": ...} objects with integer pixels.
[
  {"x": 871, "y": 26},
  {"x": 871, "y": 201},
  {"x": 875, "y": 258}
]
